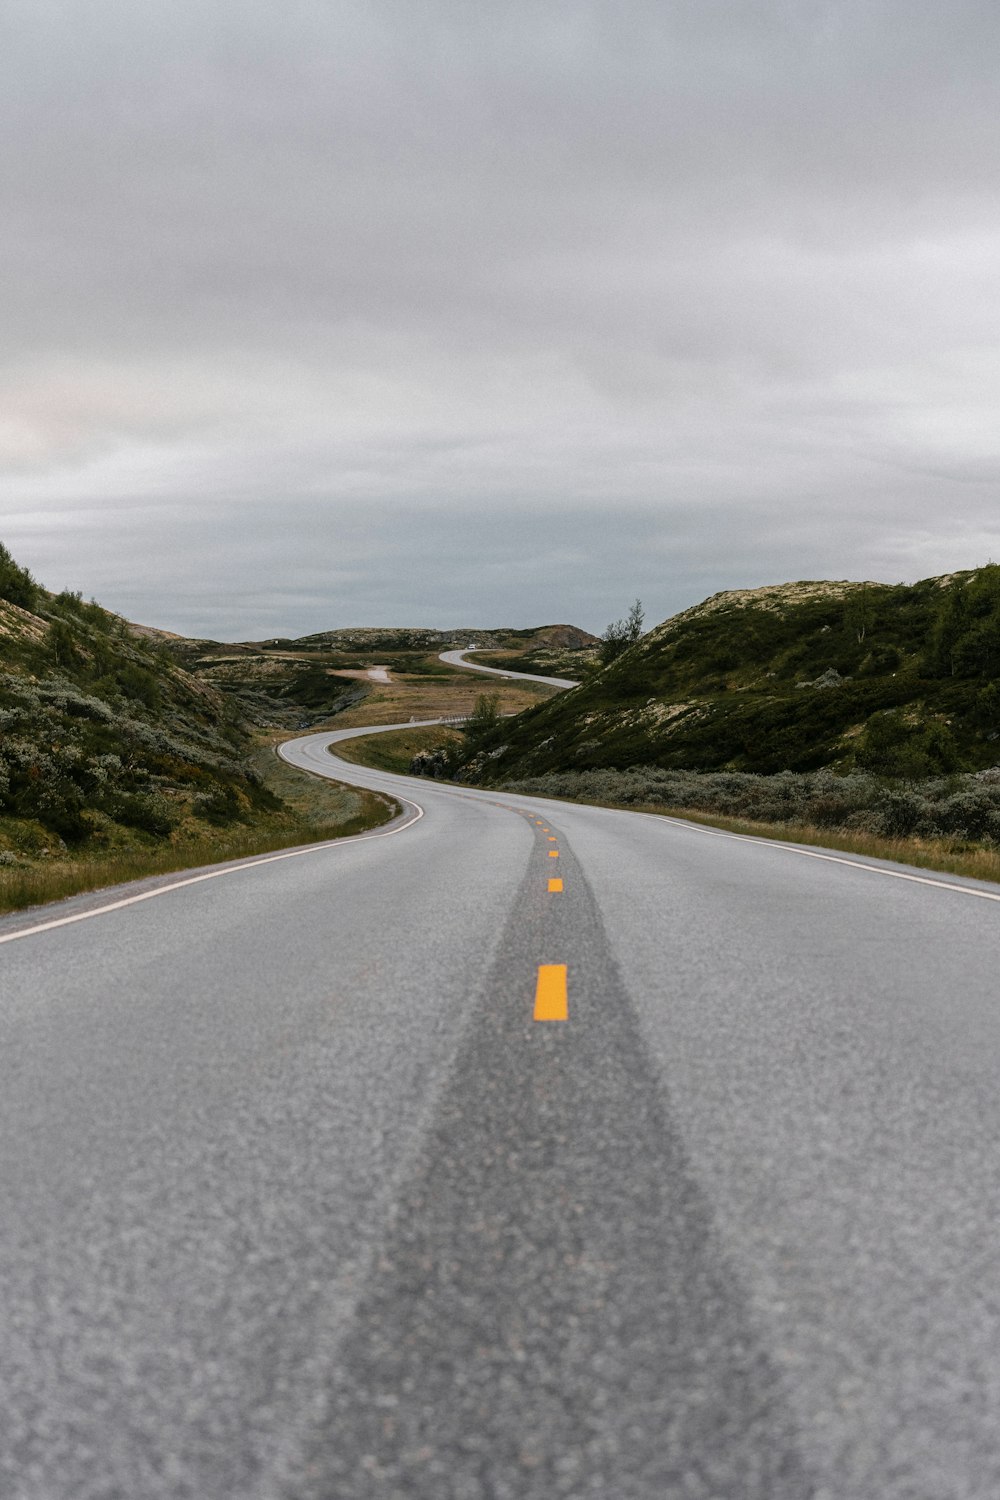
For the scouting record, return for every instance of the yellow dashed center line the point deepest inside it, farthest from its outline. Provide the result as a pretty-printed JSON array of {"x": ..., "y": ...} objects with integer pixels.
[
  {"x": 553, "y": 854},
  {"x": 550, "y": 993},
  {"x": 555, "y": 885}
]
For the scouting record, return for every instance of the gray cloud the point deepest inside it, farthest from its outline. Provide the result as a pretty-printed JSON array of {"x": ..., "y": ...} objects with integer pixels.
[{"x": 443, "y": 312}]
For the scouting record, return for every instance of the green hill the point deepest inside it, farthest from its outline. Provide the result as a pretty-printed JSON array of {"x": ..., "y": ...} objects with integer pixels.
[
  {"x": 101, "y": 731},
  {"x": 891, "y": 679},
  {"x": 115, "y": 761}
]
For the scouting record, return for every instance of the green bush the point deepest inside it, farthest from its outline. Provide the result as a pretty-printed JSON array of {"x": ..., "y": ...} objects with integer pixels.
[
  {"x": 893, "y": 746},
  {"x": 141, "y": 810},
  {"x": 16, "y": 584},
  {"x": 965, "y": 807},
  {"x": 220, "y": 807}
]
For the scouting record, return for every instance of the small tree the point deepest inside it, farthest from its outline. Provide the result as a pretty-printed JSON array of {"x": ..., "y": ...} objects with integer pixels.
[
  {"x": 16, "y": 584},
  {"x": 62, "y": 640},
  {"x": 484, "y": 717},
  {"x": 621, "y": 634},
  {"x": 858, "y": 613}
]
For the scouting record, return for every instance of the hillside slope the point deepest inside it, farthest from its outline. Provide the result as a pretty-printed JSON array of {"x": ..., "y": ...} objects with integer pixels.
[
  {"x": 894, "y": 679},
  {"x": 103, "y": 737}
]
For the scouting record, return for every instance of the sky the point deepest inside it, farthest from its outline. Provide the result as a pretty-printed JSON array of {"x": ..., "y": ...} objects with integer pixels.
[{"x": 431, "y": 312}]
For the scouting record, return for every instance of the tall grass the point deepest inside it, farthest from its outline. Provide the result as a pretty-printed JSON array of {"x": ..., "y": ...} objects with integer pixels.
[
  {"x": 57, "y": 878},
  {"x": 312, "y": 810}
]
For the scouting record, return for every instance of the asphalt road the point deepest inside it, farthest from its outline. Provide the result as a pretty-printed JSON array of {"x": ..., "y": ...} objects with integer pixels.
[
  {"x": 301, "y": 1202},
  {"x": 457, "y": 659}
]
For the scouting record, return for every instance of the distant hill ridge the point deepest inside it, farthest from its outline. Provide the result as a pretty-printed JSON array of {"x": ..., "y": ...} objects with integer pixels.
[
  {"x": 898, "y": 679},
  {"x": 293, "y": 681},
  {"x": 401, "y": 638},
  {"x": 397, "y": 638}
]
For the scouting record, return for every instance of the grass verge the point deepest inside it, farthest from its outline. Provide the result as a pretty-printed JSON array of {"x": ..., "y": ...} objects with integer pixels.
[
  {"x": 947, "y": 856},
  {"x": 313, "y": 811},
  {"x": 394, "y": 751}
]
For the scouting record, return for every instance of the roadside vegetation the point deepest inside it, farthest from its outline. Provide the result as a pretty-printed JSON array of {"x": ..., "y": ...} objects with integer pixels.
[
  {"x": 116, "y": 763},
  {"x": 950, "y": 823},
  {"x": 964, "y": 807},
  {"x": 900, "y": 681},
  {"x": 955, "y": 856},
  {"x": 126, "y": 751},
  {"x": 68, "y": 872},
  {"x": 396, "y": 750},
  {"x": 861, "y": 716}
]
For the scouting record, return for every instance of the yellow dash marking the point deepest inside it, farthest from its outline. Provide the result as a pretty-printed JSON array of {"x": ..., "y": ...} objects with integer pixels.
[
  {"x": 553, "y": 854},
  {"x": 555, "y": 885},
  {"x": 552, "y": 838},
  {"x": 550, "y": 993}
]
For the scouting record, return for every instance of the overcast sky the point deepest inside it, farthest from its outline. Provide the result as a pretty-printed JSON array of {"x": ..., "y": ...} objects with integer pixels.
[{"x": 441, "y": 312}]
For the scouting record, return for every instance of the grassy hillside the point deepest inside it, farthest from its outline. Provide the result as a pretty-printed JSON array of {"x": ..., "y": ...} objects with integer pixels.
[
  {"x": 115, "y": 761},
  {"x": 890, "y": 679},
  {"x": 271, "y": 687}
]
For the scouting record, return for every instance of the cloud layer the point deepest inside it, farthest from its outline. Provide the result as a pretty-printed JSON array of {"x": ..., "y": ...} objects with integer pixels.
[{"x": 445, "y": 313}]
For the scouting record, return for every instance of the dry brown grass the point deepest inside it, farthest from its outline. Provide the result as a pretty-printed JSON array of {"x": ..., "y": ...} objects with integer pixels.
[{"x": 453, "y": 696}]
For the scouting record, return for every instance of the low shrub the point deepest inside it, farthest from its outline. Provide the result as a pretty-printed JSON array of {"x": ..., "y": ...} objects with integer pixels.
[
  {"x": 145, "y": 811},
  {"x": 960, "y": 806}
]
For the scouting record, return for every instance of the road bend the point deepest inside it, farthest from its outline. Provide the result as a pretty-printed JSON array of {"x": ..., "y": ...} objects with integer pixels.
[
  {"x": 458, "y": 659},
  {"x": 518, "y": 1149}
]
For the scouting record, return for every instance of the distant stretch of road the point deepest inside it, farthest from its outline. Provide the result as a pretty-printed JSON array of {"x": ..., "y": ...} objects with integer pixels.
[
  {"x": 457, "y": 659},
  {"x": 515, "y": 1149}
]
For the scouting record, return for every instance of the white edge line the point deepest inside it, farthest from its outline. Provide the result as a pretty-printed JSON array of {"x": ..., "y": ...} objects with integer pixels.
[
  {"x": 231, "y": 869},
  {"x": 718, "y": 833},
  {"x": 747, "y": 838},
  {"x": 834, "y": 859}
]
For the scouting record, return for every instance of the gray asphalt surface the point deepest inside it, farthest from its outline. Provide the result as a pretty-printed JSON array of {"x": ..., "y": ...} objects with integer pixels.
[
  {"x": 300, "y": 1203},
  {"x": 458, "y": 659}
]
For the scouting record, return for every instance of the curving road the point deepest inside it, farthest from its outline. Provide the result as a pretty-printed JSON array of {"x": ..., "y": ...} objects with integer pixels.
[
  {"x": 301, "y": 1202},
  {"x": 457, "y": 659}
]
